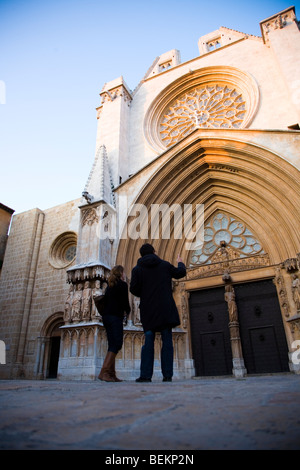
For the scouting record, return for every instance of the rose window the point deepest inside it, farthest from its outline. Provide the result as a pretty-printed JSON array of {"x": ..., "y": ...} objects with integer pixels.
[
  {"x": 224, "y": 229},
  {"x": 212, "y": 106},
  {"x": 63, "y": 250}
]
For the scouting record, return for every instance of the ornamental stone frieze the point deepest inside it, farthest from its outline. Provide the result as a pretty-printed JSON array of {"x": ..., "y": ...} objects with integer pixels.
[
  {"x": 85, "y": 284},
  {"x": 111, "y": 95},
  {"x": 278, "y": 21},
  {"x": 288, "y": 288},
  {"x": 91, "y": 272},
  {"x": 282, "y": 292},
  {"x": 89, "y": 216},
  {"x": 235, "y": 265},
  {"x": 84, "y": 346},
  {"x": 115, "y": 89}
]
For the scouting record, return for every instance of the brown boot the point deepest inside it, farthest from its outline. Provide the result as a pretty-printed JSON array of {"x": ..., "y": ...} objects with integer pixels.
[
  {"x": 113, "y": 371},
  {"x": 106, "y": 372}
]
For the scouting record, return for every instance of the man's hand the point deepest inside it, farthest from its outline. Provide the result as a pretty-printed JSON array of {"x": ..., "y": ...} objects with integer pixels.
[{"x": 179, "y": 259}]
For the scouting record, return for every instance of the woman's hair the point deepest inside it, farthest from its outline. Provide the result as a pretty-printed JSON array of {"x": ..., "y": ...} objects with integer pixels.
[{"x": 115, "y": 275}]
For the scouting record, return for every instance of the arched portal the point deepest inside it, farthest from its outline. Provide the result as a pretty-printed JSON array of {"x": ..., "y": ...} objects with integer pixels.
[
  {"x": 49, "y": 347},
  {"x": 252, "y": 183},
  {"x": 249, "y": 183}
]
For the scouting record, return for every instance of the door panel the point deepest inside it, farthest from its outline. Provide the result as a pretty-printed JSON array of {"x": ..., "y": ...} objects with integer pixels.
[
  {"x": 210, "y": 333},
  {"x": 262, "y": 333},
  {"x": 213, "y": 354},
  {"x": 261, "y": 328}
]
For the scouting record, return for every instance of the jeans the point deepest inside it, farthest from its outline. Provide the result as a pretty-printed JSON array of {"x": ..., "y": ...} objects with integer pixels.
[
  {"x": 147, "y": 357},
  {"x": 114, "y": 331}
]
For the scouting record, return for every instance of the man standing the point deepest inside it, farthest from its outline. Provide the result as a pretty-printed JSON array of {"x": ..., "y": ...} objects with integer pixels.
[{"x": 151, "y": 280}]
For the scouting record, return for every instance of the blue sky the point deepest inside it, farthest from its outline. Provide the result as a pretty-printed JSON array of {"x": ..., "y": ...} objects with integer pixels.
[{"x": 54, "y": 60}]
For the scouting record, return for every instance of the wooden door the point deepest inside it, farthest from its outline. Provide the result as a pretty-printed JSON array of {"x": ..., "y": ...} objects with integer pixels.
[
  {"x": 210, "y": 333},
  {"x": 262, "y": 333}
]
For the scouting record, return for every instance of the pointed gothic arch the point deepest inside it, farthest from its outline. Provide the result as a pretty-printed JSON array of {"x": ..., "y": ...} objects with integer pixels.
[
  {"x": 250, "y": 182},
  {"x": 48, "y": 346},
  {"x": 246, "y": 181}
]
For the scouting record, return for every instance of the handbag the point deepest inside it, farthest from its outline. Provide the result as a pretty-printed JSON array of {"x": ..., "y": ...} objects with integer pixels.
[{"x": 100, "y": 303}]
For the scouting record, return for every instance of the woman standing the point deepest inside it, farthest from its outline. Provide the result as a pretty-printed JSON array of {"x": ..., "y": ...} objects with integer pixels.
[{"x": 116, "y": 304}]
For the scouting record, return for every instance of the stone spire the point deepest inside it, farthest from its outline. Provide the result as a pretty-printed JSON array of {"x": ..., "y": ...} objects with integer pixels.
[{"x": 99, "y": 185}]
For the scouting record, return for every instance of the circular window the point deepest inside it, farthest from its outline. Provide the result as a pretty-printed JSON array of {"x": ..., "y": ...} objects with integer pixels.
[
  {"x": 209, "y": 98},
  {"x": 63, "y": 250}
]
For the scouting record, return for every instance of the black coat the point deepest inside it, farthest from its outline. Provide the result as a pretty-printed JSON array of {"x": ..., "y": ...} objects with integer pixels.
[
  {"x": 151, "y": 280},
  {"x": 116, "y": 300}
]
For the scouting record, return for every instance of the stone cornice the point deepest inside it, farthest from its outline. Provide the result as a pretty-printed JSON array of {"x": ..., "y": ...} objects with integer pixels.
[{"x": 277, "y": 21}]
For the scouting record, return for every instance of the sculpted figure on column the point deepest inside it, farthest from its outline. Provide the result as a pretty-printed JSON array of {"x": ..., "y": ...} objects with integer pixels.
[
  {"x": 76, "y": 304},
  {"x": 68, "y": 306},
  {"x": 86, "y": 301},
  {"x": 296, "y": 291},
  {"x": 232, "y": 307}
]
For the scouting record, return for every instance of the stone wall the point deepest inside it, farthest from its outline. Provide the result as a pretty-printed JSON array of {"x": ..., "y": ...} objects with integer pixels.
[{"x": 31, "y": 288}]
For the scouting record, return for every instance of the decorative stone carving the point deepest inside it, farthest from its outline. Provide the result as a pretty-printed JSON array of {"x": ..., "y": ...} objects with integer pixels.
[
  {"x": 282, "y": 294},
  {"x": 294, "y": 323},
  {"x": 112, "y": 94},
  {"x": 84, "y": 345},
  {"x": 136, "y": 311},
  {"x": 210, "y": 106},
  {"x": 290, "y": 264},
  {"x": 235, "y": 265},
  {"x": 277, "y": 22},
  {"x": 232, "y": 307},
  {"x": 225, "y": 237},
  {"x": 68, "y": 305},
  {"x": 183, "y": 306},
  {"x": 89, "y": 216},
  {"x": 86, "y": 302},
  {"x": 220, "y": 167},
  {"x": 296, "y": 291},
  {"x": 238, "y": 369},
  {"x": 96, "y": 291},
  {"x": 77, "y": 304},
  {"x": 91, "y": 272},
  {"x": 298, "y": 260},
  {"x": 226, "y": 276}
]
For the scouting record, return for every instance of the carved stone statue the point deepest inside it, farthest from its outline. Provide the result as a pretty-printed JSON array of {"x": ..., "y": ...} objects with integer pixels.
[
  {"x": 136, "y": 311},
  {"x": 232, "y": 307},
  {"x": 76, "y": 304},
  {"x": 296, "y": 291},
  {"x": 184, "y": 306},
  {"x": 68, "y": 306},
  {"x": 96, "y": 292},
  {"x": 86, "y": 301}
]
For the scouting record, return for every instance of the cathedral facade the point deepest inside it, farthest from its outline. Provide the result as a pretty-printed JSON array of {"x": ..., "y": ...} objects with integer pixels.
[{"x": 214, "y": 139}]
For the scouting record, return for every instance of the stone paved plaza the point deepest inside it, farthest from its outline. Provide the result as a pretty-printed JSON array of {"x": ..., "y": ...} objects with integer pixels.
[{"x": 255, "y": 413}]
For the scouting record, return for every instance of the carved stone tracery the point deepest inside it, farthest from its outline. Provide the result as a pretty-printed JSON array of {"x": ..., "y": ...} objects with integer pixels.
[
  {"x": 225, "y": 237},
  {"x": 211, "y": 106}
]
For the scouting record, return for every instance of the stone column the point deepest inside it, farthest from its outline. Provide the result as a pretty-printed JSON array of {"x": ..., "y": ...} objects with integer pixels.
[{"x": 238, "y": 368}]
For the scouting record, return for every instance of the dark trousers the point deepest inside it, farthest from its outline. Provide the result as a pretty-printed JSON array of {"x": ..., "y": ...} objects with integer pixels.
[
  {"x": 114, "y": 331},
  {"x": 147, "y": 357}
]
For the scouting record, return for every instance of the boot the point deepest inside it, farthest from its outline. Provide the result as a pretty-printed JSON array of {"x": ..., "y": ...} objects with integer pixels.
[
  {"x": 113, "y": 371},
  {"x": 106, "y": 372}
]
